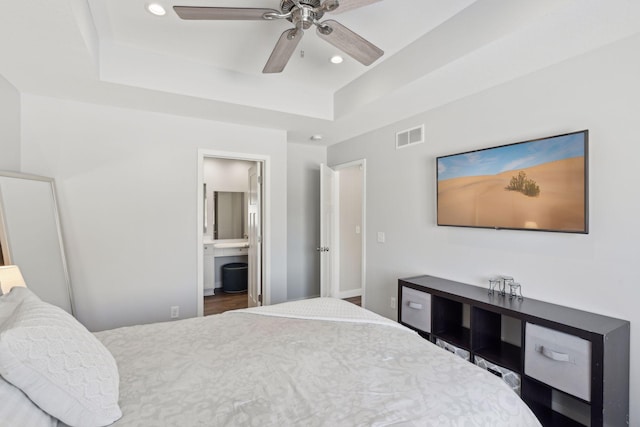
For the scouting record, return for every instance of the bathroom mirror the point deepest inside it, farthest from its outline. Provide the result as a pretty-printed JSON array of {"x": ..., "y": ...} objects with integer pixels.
[{"x": 230, "y": 215}]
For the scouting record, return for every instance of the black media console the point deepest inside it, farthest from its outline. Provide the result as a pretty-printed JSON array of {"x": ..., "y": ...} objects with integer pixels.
[{"x": 570, "y": 366}]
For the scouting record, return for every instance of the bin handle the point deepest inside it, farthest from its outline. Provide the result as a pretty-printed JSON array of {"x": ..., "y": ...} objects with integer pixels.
[
  {"x": 494, "y": 372},
  {"x": 415, "y": 305},
  {"x": 554, "y": 355}
]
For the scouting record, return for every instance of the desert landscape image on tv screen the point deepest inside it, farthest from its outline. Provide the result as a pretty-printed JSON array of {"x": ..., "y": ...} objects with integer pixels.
[{"x": 537, "y": 185}]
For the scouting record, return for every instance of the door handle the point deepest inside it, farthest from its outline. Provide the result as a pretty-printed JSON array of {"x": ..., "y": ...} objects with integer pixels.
[{"x": 322, "y": 249}]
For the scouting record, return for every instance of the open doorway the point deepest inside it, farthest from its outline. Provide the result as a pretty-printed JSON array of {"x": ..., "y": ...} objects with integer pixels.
[
  {"x": 231, "y": 213},
  {"x": 342, "y": 231}
]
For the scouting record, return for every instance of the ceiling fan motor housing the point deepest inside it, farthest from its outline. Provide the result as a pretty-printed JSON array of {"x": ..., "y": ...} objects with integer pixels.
[
  {"x": 287, "y": 5},
  {"x": 305, "y": 16}
]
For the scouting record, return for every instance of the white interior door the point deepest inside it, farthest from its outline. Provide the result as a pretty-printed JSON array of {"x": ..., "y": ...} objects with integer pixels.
[
  {"x": 254, "y": 218},
  {"x": 350, "y": 223},
  {"x": 326, "y": 249}
]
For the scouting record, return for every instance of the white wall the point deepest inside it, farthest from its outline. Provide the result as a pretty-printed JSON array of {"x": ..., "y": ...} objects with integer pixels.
[
  {"x": 127, "y": 184},
  {"x": 226, "y": 174},
  {"x": 350, "y": 218},
  {"x": 303, "y": 211},
  {"x": 9, "y": 126},
  {"x": 595, "y": 272}
]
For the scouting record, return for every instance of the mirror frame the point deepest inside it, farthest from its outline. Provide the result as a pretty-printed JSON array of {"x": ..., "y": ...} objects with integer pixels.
[
  {"x": 5, "y": 243},
  {"x": 215, "y": 220}
]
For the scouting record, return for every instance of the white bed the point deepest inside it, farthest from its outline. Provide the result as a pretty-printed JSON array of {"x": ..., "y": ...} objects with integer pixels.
[{"x": 319, "y": 362}]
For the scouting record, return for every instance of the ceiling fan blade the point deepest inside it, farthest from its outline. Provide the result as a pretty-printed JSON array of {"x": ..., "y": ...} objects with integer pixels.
[
  {"x": 346, "y": 5},
  {"x": 222, "y": 13},
  {"x": 349, "y": 42},
  {"x": 281, "y": 54}
]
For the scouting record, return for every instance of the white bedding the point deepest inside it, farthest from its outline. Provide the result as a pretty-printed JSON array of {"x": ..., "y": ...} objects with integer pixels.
[{"x": 289, "y": 365}]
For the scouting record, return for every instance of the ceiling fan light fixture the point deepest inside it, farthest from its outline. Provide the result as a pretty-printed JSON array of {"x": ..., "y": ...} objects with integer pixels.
[
  {"x": 156, "y": 9},
  {"x": 303, "y": 14},
  {"x": 336, "y": 59}
]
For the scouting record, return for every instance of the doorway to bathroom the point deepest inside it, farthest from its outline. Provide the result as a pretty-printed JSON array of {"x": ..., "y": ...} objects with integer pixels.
[{"x": 231, "y": 233}]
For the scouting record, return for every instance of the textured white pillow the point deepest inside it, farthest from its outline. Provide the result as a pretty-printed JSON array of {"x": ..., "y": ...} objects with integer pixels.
[
  {"x": 17, "y": 410},
  {"x": 58, "y": 363}
]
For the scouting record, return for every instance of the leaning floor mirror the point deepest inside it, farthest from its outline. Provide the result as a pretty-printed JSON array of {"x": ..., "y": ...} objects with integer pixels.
[{"x": 31, "y": 237}]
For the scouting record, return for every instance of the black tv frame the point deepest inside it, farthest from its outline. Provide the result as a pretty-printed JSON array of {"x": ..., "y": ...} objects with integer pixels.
[{"x": 584, "y": 230}]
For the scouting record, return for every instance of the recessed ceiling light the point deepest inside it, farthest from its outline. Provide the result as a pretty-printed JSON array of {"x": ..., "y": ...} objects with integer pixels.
[
  {"x": 316, "y": 137},
  {"x": 336, "y": 59},
  {"x": 156, "y": 9}
]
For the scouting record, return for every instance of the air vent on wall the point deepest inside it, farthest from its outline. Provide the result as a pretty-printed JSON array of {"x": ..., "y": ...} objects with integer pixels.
[{"x": 409, "y": 137}]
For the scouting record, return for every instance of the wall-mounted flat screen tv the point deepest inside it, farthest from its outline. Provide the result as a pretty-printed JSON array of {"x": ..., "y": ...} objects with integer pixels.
[{"x": 540, "y": 184}]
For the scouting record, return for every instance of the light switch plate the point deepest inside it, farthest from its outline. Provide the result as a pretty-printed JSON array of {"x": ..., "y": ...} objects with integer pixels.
[{"x": 381, "y": 237}]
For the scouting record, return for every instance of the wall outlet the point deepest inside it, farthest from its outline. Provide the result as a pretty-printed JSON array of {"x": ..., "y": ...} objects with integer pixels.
[
  {"x": 175, "y": 311},
  {"x": 393, "y": 302}
]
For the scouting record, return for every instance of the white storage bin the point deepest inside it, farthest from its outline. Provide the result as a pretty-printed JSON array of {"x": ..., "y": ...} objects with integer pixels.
[
  {"x": 460, "y": 352},
  {"x": 416, "y": 309},
  {"x": 558, "y": 359},
  {"x": 512, "y": 379}
]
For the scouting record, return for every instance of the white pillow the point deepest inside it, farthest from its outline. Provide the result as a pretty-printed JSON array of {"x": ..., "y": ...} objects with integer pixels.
[
  {"x": 8, "y": 304},
  {"x": 17, "y": 410},
  {"x": 58, "y": 363}
]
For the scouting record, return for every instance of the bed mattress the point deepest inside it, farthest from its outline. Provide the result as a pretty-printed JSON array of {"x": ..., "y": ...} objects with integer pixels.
[{"x": 320, "y": 362}]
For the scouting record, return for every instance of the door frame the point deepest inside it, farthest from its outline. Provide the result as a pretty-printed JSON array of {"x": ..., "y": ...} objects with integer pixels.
[
  {"x": 363, "y": 164},
  {"x": 266, "y": 223}
]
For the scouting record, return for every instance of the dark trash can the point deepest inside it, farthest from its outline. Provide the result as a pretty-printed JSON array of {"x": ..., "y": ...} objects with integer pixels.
[{"x": 234, "y": 277}]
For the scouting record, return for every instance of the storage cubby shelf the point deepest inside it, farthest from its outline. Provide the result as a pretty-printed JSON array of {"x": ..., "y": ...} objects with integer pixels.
[
  {"x": 504, "y": 354},
  {"x": 458, "y": 336},
  {"x": 470, "y": 318}
]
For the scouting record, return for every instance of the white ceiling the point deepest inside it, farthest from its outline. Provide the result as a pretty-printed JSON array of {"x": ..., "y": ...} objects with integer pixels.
[
  {"x": 243, "y": 47},
  {"x": 114, "y": 52}
]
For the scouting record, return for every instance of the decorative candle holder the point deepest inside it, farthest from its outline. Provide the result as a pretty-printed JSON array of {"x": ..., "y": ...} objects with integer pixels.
[
  {"x": 494, "y": 284},
  {"x": 515, "y": 291},
  {"x": 506, "y": 281}
]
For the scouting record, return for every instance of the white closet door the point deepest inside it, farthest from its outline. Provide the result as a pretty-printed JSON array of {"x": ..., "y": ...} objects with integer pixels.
[
  {"x": 30, "y": 236},
  {"x": 329, "y": 268}
]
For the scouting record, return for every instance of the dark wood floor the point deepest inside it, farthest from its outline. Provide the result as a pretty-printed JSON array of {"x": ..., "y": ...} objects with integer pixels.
[
  {"x": 221, "y": 302},
  {"x": 354, "y": 300}
]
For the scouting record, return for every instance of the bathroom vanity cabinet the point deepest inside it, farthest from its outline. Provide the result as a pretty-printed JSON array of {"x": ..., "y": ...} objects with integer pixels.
[{"x": 218, "y": 253}]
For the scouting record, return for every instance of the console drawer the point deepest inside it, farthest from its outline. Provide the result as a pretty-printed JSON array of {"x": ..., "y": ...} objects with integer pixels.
[
  {"x": 512, "y": 379},
  {"x": 235, "y": 251},
  {"x": 416, "y": 309},
  {"x": 560, "y": 360}
]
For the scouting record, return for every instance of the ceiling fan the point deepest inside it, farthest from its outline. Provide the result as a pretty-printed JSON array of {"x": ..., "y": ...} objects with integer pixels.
[{"x": 303, "y": 14}]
